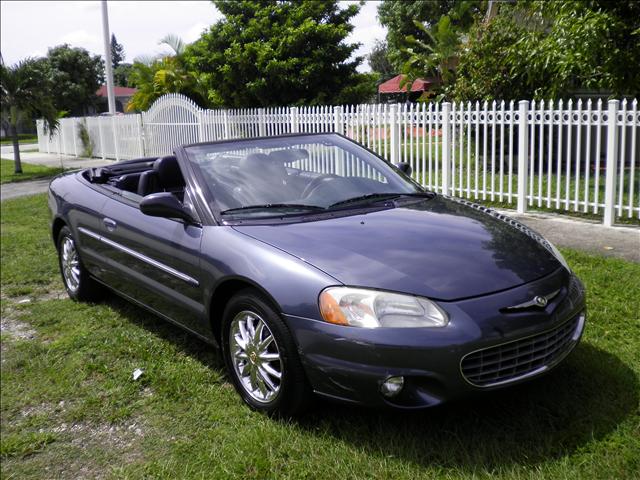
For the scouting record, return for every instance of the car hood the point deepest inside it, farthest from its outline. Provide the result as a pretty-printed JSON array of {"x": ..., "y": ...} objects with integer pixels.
[{"x": 438, "y": 248}]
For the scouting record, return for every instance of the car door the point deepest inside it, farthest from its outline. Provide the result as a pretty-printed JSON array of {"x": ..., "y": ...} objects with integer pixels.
[{"x": 155, "y": 261}]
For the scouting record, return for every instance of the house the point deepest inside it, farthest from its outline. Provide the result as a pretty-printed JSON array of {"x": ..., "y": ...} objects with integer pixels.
[
  {"x": 122, "y": 94},
  {"x": 393, "y": 90}
]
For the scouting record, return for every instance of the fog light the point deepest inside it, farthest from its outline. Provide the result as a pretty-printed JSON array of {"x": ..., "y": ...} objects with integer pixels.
[{"x": 392, "y": 386}]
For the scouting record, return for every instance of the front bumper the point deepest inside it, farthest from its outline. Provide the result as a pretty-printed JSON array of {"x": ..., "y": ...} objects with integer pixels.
[{"x": 350, "y": 364}]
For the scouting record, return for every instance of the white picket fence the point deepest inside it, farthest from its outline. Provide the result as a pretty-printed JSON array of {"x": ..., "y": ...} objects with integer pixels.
[{"x": 566, "y": 156}]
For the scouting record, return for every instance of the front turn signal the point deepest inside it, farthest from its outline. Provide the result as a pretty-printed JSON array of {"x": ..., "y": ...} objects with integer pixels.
[{"x": 330, "y": 310}]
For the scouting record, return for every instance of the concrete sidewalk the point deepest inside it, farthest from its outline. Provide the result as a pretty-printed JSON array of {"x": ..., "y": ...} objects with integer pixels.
[
  {"x": 586, "y": 235},
  {"x": 6, "y": 151},
  {"x": 21, "y": 189},
  {"x": 54, "y": 160}
]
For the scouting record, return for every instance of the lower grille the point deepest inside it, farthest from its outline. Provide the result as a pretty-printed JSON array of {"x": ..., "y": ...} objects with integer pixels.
[{"x": 522, "y": 358}]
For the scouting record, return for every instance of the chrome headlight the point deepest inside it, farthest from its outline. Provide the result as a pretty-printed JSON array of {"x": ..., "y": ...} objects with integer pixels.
[{"x": 360, "y": 307}]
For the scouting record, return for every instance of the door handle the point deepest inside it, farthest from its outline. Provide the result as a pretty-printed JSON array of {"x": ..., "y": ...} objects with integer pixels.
[{"x": 109, "y": 224}]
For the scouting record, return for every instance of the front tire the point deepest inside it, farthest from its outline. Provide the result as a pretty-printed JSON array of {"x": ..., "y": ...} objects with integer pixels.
[
  {"x": 261, "y": 357},
  {"x": 75, "y": 277}
]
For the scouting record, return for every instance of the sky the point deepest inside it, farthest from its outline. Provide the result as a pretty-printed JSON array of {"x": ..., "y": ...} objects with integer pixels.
[{"x": 29, "y": 28}]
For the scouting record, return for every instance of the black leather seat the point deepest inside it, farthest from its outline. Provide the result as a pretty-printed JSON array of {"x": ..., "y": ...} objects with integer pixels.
[
  {"x": 127, "y": 182},
  {"x": 164, "y": 177}
]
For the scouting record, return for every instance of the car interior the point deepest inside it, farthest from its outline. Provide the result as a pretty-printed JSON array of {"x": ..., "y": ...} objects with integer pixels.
[
  {"x": 139, "y": 178},
  {"x": 238, "y": 179}
]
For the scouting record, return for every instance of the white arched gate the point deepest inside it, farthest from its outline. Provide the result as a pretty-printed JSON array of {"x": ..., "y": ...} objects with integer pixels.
[{"x": 172, "y": 120}]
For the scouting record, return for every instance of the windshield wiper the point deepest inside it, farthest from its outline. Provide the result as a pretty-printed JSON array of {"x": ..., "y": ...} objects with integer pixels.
[
  {"x": 379, "y": 196},
  {"x": 276, "y": 206}
]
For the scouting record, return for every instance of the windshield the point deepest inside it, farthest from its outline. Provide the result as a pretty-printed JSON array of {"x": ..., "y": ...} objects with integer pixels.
[{"x": 294, "y": 175}]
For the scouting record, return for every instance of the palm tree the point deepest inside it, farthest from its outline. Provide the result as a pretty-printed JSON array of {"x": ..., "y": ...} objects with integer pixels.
[
  {"x": 155, "y": 76},
  {"x": 24, "y": 92}
]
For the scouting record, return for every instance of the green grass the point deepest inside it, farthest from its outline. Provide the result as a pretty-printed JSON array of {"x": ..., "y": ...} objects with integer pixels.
[
  {"x": 69, "y": 407},
  {"x": 22, "y": 138},
  {"x": 29, "y": 171}
]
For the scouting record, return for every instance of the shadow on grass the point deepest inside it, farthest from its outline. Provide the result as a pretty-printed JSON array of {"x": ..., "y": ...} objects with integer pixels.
[
  {"x": 191, "y": 345},
  {"x": 583, "y": 399}
]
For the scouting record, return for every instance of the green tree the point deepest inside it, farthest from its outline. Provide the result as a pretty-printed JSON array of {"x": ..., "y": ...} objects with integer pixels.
[
  {"x": 117, "y": 52},
  {"x": 121, "y": 75},
  {"x": 552, "y": 49},
  {"x": 379, "y": 61},
  {"x": 437, "y": 57},
  {"x": 25, "y": 90},
  {"x": 156, "y": 76},
  {"x": 77, "y": 76},
  {"x": 276, "y": 52},
  {"x": 400, "y": 18}
]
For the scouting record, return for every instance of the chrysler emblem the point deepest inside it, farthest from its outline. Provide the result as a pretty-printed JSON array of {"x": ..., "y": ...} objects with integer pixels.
[{"x": 539, "y": 301}]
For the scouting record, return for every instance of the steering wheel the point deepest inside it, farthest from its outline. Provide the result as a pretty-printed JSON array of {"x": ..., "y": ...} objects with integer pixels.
[{"x": 315, "y": 183}]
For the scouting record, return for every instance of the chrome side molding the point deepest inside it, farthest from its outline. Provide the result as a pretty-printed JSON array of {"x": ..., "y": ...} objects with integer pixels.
[{"x": 165, "y": 268}]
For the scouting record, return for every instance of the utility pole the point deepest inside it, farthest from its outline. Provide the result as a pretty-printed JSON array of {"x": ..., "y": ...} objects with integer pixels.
[
  {"x": 107, "y": 58},
  {"x": 492, "y": 11}
]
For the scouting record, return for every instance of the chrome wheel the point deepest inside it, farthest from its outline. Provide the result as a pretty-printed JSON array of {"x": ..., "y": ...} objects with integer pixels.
[
  {"x": 255, "y": 356},
  {"x": 70, "y": 263}
]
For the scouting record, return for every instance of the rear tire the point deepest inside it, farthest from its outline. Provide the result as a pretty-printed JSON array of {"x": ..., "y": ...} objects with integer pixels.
[
  {"x": 75, "y": 277},
  {"x": 261, "y": 357}
]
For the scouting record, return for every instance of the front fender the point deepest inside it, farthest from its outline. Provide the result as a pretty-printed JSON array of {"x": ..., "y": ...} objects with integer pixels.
[{"x": 293, "y": 284}]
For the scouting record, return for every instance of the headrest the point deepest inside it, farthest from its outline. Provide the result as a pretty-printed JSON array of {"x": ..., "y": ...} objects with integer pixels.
[
  {"x": 168, "y": 171},
  {"x": 290, "y": 155},
  {"x": 255, "y": 161}
]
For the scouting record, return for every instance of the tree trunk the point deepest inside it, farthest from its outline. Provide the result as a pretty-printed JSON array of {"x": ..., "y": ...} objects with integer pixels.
[{"x": 13, "y": 131}]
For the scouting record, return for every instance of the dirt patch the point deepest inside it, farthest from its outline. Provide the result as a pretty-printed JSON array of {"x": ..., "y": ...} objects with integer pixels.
[
  {"x": 14, "y": 327},
  {"x": 83, "y": 450},
  {"x": 9, "y": 322},
  {"x": 44, "y": 409},
  {"x": 58, "y": 294},
  {"x": 102, "y": 435}
]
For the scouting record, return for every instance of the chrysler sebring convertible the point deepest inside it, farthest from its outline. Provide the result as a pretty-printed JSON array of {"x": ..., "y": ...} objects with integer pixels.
[{"x": 318, "y": 268}]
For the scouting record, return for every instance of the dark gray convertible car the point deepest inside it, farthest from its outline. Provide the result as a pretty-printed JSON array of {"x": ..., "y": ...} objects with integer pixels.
[{"x": 319, "y": 268}]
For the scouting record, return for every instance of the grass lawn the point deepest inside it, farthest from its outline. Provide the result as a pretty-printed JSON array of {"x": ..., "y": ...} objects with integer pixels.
[
  {"x": 29, "y": 171},
  {"x": 22, "y": 138},
  {"x": 69, "y": 407}
]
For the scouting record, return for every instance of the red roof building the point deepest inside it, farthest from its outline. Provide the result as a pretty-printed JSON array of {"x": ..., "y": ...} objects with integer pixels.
[
  {"x": 118, "y": 91},
  {"x": 393, "y": 85},
  {"x": 122, "y": 94}
]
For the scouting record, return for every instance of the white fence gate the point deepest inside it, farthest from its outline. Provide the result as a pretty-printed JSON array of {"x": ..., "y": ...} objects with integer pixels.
[{"x": 563, "y": 156}]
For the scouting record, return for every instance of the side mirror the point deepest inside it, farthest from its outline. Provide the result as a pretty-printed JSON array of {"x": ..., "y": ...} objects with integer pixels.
[
  {"x": 164, "y": 205},
  {"x": 404, "y": 167}
]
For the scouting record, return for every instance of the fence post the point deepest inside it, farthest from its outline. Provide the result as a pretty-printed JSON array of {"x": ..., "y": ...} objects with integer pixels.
[
  {"x": 393, "y": 123},
  {"x": 262, "y": 123},
  {"x": 225, "y": 119},
  {"x": 115, "y": 138},
  {"x": 74, "y": 132},
  {"x": 48, "y": 138},
  {"x": 523, "y": 154},
  {"x": 140, "y": 134},
  {"x": 101, "y": 136},
  {"x": 293, "y": 112},
  {"x": 612, "y": 164},
  {"x": 338, "y": 125},
  {"x": 59, "y": 138},
  {"x": 201, "y": 126},
  {"x": 446, "y": 148}
]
